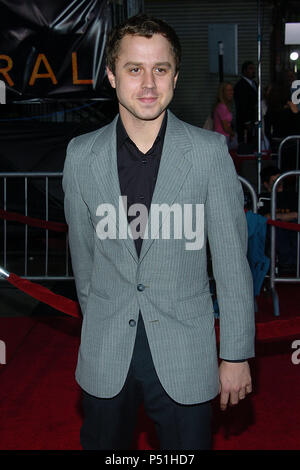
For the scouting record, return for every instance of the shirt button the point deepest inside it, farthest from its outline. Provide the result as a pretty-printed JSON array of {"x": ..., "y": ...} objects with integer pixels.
[
  {"x": 132, "y": 322},
  {"x": 140, "y": 287}
]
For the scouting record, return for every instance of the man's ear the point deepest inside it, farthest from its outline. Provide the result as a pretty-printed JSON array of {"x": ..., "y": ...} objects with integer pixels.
[{"x": 111, "y": 77}]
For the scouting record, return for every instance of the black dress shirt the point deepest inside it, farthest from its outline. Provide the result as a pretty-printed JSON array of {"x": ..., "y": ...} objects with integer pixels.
[{"x": 138, "y": 171}]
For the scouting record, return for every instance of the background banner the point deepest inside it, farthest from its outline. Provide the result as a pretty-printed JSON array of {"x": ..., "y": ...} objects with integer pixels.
[{"x": 54, "y": 50}]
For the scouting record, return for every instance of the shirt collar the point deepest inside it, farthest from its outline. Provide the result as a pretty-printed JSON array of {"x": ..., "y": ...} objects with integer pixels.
[
  {"x": 122, "y": 135},
  {"x": 251, "y": 82}
]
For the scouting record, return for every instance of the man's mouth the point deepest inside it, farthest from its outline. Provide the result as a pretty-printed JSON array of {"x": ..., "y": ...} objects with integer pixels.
[{"x": 148, "y": 99}]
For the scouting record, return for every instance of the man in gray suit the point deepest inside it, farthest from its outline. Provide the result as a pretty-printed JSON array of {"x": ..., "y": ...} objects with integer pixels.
[{"x": 148, "y": 324}]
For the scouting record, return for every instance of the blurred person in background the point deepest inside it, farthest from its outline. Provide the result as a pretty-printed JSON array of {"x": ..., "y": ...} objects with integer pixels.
[
  {"x": 282, "y": 115},
  {"x": 222, "y": 114},
  {"x": 282, "y": 118},
  {"x": 245, "y": 97}
]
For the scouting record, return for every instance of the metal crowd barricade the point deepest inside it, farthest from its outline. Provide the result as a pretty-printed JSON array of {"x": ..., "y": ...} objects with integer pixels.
[
  {"x": 282, "y": 143},
  {"x": 252, "y": 193},
  {"x": 43, "y": 189},
  {"x": 273, "y": 278},
  {"x": 46, "y": 176}
]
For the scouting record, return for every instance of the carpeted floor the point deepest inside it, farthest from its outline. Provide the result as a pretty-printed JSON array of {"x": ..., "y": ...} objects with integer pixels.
[{"x": 40, "y": 401}]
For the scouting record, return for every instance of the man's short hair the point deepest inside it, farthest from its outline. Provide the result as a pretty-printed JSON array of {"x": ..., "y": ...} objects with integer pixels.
[
  {"x": 141, "y": 25},
  {"x": 269, "y": 171},
  {"x": 245, "y": 65}
]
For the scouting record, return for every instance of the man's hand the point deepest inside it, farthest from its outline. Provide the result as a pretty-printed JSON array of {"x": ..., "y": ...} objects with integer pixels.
[{"x": 235, "y": 382}]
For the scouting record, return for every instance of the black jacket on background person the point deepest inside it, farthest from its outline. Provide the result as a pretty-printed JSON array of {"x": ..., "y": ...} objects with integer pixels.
[{"x": 245, "y": 97}]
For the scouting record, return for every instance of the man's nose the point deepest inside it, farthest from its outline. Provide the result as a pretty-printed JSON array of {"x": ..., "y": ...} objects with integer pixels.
[{"x": 148, "y": 79}]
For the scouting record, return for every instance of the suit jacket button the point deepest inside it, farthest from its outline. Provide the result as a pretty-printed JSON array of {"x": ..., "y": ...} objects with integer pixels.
[
  {"x": 140, "y": 287},
  {"x": 132, "y": 322}
]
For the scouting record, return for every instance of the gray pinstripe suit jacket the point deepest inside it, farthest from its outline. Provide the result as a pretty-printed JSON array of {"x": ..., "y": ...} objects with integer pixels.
[{"x": 176, "y": 303}]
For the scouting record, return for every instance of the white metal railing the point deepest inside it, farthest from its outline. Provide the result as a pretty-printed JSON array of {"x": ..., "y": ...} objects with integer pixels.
[
  {"x": 47, "y": 178},
  {"x": 283, "y": 142},
  {"x": 251, "y": 189},
  {"x": 273, "y": 277}
]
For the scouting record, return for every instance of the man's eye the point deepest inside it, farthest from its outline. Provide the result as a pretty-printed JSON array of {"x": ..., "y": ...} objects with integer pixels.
[
  {"x": 135, "y": 70},
  {"x": 160, "y": 70}
]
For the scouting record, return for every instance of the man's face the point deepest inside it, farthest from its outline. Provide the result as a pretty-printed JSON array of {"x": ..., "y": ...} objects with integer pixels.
[
  {"x": 250, "y": 72},
  {"x": 144, "y": 76},
  {"x": 228, "y": 92}
]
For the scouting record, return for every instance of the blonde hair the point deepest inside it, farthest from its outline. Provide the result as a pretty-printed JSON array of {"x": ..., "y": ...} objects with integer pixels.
[{"x": 221, "y": 96}]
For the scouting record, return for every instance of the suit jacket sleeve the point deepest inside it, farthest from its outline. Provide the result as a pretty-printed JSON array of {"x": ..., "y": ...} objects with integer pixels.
[
  {"x": 228, "y": 241},
  {"x": 81, "y": 232}
]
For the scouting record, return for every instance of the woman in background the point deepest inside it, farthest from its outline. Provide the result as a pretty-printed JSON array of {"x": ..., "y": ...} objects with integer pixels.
[{"x": 222, "y": 115}]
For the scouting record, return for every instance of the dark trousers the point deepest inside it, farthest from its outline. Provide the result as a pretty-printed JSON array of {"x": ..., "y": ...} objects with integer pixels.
[{"x": 109, "y": 422}]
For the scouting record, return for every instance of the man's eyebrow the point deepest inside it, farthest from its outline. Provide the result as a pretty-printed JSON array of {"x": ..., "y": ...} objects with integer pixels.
[
  {"x": 132, "y": 63},
  {"x": 165, "y": 64}
]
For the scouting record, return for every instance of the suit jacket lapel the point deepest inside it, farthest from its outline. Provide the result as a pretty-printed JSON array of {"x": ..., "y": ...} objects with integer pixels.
[
  {"x": 105, "y": 172},
  {"x": 173, "y": 169}
]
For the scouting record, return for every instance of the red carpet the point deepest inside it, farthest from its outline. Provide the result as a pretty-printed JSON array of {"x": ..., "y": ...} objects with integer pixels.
[{"x": 40, "y": 400}]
